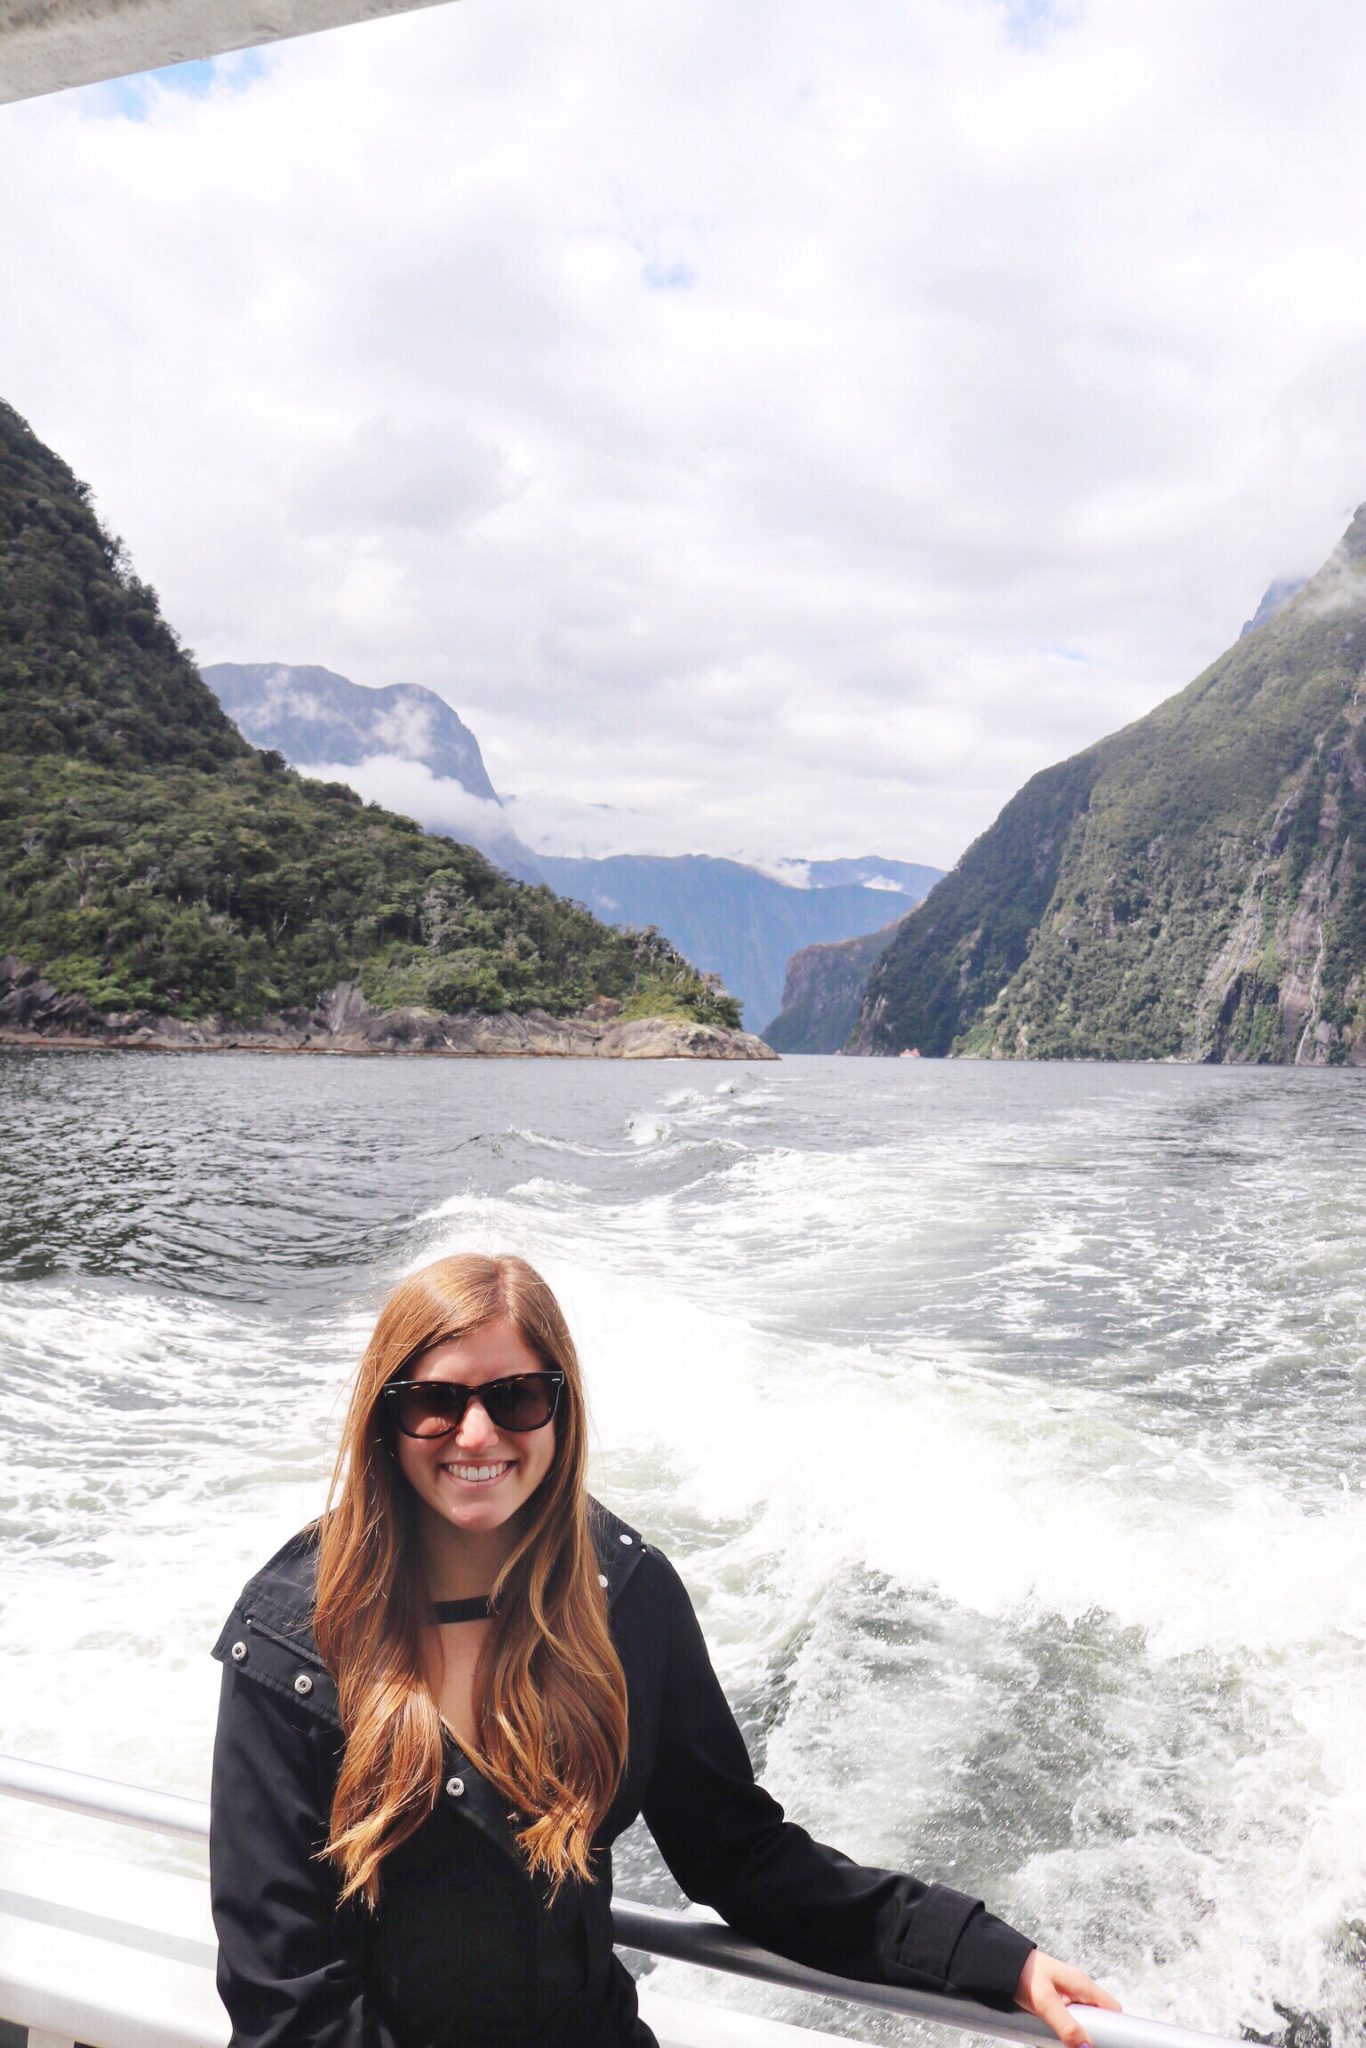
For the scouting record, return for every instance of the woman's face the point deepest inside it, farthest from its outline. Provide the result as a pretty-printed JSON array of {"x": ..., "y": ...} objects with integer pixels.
[{"x": 477, "y": 1478}]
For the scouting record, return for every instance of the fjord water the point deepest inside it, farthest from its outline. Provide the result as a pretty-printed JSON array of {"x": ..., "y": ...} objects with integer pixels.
[{"x": 1006, "y": 1422}]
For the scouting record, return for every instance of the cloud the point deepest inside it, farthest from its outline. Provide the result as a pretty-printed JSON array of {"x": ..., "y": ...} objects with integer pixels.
[
  {"x": 1336, "y": 592},
  {"x": 410, "y": 788},
  {"x": 549, "y": 821},
  {"x": 281, "y": 699},
  {"x": 791, "y": 430},
  {"x": 387, "y": 477},
  {"x": 406, "y": 726},
  {"x": 793, "y": 874}
]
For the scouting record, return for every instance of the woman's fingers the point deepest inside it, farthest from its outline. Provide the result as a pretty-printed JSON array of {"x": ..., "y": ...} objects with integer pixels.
[
  {"x": 1044, "y": 1988},
  {"x": 1062, "y": 2020},
  {"x": 1083, "y": 1990}
]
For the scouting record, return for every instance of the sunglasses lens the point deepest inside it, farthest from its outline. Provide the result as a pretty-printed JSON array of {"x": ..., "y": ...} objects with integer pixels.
[
  {"x": 430, "y": 1410},
  {"x": 435, "y": 1407},
  {"x": 521, "y": 1403}
]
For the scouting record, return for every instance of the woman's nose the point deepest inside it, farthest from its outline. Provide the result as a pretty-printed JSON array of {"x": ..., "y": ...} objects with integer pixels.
[{"x": 475, "y": 1428}]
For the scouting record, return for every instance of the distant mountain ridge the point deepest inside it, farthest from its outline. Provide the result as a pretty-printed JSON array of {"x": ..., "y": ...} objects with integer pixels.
[
  {"x": 1193, "y": 887},
  {"x": 739, "y": 922},
  {"x": 894, "y": 877},
  {"x": 1273, "y": 597},
  {"x": 279, "y": 704},
  {"x": 318, "y": 719}
]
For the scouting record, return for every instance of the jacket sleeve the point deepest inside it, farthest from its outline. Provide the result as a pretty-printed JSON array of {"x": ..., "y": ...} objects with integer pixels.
[
  {"x": 727, "y": 1843},
  {"x": 287, "y": 1971}
]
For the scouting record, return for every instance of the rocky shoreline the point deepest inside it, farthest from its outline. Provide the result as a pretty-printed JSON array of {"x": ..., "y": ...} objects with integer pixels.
[{"x": 33, "y": 1013}]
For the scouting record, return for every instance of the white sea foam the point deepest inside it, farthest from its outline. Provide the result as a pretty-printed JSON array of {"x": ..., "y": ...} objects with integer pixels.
[
  {"x": 1016, "y": 1516},
  {"x": 548, "y": 1142},
  {"x": 153, "y": 1440},
  {"x": 539, "y": 1189},
  {"x": 1011, "y": 1455}
]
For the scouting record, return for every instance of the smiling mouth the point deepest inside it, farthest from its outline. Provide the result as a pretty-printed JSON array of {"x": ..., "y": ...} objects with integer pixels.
[{"x": 478, "y": 1475}]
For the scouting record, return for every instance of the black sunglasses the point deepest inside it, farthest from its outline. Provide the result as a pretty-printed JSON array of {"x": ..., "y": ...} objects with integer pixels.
[{"x": 436, "y": 1407}]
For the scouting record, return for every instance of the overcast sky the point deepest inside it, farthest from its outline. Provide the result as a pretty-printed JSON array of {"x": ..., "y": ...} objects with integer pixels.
[{"x": 777, "y": 430}]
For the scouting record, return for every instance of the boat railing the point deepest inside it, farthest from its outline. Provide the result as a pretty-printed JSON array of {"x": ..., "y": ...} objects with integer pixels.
[{"x": 58, "y": 1932}]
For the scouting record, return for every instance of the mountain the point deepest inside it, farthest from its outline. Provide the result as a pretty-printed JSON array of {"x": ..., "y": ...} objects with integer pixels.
[
  {"x": 317, "y": 719},
  {"x": 896, "y": 877},
  {"x": 154, "y": 861},
  {"x": 736, "y": 921},
  {"x": 1274, "y": 596},
  {"x": 1193, "y": 887},
  {"x": 822, "y": 993}
]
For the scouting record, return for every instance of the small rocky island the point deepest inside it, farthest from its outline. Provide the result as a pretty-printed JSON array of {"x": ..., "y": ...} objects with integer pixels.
[
  {"x": 169, "y": 886},
  {"x": 33, "y": 1012}
]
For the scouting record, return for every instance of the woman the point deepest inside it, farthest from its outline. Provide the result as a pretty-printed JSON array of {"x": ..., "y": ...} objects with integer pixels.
[{"x": 442, "y": 1704}]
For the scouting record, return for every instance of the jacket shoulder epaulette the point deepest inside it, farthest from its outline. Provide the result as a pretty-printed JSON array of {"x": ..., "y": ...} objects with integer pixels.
[
  {"x": 269, "y": 1634},
  {"x": 619, "y": 1547}
]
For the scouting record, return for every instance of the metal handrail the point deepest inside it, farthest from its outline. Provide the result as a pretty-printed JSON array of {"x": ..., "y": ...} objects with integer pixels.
[
  {"x": 694, "y": 1937},
  {"x": 137, "y": 1806}
]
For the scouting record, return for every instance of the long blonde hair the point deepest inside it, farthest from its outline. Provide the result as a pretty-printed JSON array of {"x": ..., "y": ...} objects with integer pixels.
[{"x": 549, "y": 1693}]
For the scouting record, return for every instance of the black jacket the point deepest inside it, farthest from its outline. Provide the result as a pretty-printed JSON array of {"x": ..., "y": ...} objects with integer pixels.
[{"x": 464, "y": 1950}]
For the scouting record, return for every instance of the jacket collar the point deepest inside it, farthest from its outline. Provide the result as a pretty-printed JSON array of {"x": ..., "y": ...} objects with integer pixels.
[{"x": 272, "y": 1623}]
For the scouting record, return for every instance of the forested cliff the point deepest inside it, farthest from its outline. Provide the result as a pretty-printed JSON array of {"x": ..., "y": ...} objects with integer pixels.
[
  {"x": 153, "y": 860},
  {"x": 1193, "y": 887}
]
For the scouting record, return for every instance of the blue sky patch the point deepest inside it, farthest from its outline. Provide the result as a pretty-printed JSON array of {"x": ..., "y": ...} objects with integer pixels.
[
  {"x": 1031, "y": 23},
  {"x": 669, "y": 277},
  {"x": 130, "y": 97},
  {"x": 1056, "y": 652}
]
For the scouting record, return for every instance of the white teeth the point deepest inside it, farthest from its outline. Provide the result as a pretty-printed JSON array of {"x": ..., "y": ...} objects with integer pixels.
[{"x": 474, "y": 1473}]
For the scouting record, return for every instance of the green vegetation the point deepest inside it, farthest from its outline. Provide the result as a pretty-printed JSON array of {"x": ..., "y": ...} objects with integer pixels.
[
  {"x": 1193, "y": 887},
  {"x": 951, "y": 956},
  {"x": 153, "y": 860}
]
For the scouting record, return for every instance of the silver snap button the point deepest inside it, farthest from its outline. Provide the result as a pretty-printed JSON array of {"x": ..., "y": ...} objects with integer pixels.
[
  {"x": 238, "y": 1653},
  {"x": 303, "y": 1685},
  {"x": 628, "y": 1539},
  {"x": 455, "y": 1788},
  {"x": 602, "y": 1578}
]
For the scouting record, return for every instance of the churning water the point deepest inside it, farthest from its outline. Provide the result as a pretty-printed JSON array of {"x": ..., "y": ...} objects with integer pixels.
[{"x": 1006, "y": 1422}]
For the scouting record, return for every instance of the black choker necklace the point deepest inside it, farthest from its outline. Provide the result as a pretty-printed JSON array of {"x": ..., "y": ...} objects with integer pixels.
[{"x": 478, "y": 1608}]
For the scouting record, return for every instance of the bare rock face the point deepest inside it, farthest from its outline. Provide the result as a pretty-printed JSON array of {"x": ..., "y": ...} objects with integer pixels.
[
  {"x": 33, "y": 1013},
  {"x": 823, "y": 991},
  {"x": 662, "y": 1038}
]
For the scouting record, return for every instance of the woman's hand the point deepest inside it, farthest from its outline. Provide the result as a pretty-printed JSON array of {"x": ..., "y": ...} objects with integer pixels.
[{"x": 1045, "y": 1988}]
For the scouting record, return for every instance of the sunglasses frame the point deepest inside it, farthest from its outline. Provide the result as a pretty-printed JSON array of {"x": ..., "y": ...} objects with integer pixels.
[{"x": 554, "y": 1376}]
